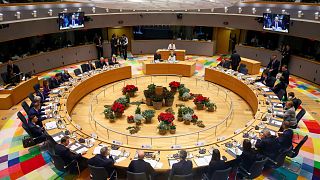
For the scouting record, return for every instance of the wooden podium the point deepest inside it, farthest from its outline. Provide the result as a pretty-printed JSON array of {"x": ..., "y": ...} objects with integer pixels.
[{"x": 180, "y": 54}]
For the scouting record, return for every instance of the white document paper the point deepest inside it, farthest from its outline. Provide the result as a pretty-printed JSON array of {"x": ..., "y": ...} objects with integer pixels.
[
  {"x": 115, "y": 152},
  {"x": 237, "y": 152},
  {"x": 159, "y": 165},
  {"x": 120, "y": 159},
  {"x": 201, "y": 161},
  {"x": 266, "y": 89},
  {"x": 80, "y": 151},
  {"x": 172, "y": 161},
  {"x": 75, "y": 146},
  {"x": 276, "y": 122},
  {"x": 51, "y": 125},
  {"x": 259, "y": 84},
  {"x": 96, "y": 150},
  {"x": 152, "y": 162}
]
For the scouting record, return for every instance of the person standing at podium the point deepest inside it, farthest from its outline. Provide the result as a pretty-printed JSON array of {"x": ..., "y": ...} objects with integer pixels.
[
  {"x": 172, "y": 46},
  {"x": 172, "y": 57}
]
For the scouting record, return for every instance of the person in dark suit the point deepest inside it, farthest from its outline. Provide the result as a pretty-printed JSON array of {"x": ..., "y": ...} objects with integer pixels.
[
  {"x": 248, "y": 156},
  {"x": 55, "y": 81},
  {"x": 102, "y": 63},
  {"x": 90, "y": 66},
  {"x": 273, "y": 66},
  {"x": 286, "y": 54},
  {"x": 215, "y": 164},
  {"x": 235, "y": 60},
  {"x": 36, "y": 131},
  {"x": 113, "y": 60},
  {"x": 67, "y": 156},
  {"x": 285, "y": 137},
  {"x": 36, "y": 111},
  {"x": 12, "y": 70},
  {"x": 101, "y": 160},
  {"x": 222, "y": 62},
  {"x": 183, "y": 167},
  {"x": 276, "y": 24},
  {"x": 296, "y": 102},
  {"x": 280, "y": 86},
  {"x": 46, "y": 88},
  {"x": 114, "y": 44},
  {"x": 99, "y": 46},
  {"x": 267, "y": 145},
  {"x": 41, "y": 94},
  {"x": 66, "y": 76},
  {"x": 285, "y": 73},
  {"x": 124, "y": 46},
  {"x": 140, "y": 166},
  {"x": 265, "y": 79},
  {"x": 157, "y": 56}
]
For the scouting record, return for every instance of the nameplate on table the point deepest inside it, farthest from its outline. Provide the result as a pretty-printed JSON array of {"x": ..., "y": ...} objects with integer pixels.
[
  {"x": 94, "y": 135},
  {"x": 274, "y": 122},
  {"x": 273, "y": 97},
  {"x": 176, "y": 146},
  {"x": 200, "y": 143},
  {"x": 115, "y": 142},
  {"x": 238, "y": 131},
  {"x": 146, "y": 146}
]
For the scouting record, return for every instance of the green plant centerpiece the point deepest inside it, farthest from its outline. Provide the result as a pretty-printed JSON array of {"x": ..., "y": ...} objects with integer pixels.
[
  {"x": 157, "y": 102},
  {"x": 211, "y": 106},
  {"x": 163, "y": 128},
  {"x": 149, "y": 93},
  {"x": 148, "y": 115},
  {"x": 133, "y": 129},
  {"x": 138, "y": 119},
  {"x": 168, "y": 98},
  {"x": 118, "y": 109},
  {"x": 187, "y": 118},
  {"x": 123, "y": 101},
  {"x": 184, "y": 93},
  {"x": 172, "y": 128},
  {"x": 180, "y": 115},
  {"x": 107, "y": 112}
]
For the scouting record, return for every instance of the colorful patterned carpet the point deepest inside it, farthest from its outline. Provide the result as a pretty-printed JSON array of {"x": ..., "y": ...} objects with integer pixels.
[{"x": 33, "y": 164}]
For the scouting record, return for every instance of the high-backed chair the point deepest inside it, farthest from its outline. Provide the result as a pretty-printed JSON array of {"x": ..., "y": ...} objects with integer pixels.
[
  {"x": 31, "y": 97},
  {"x": 221, "y": 174},
  {"x": 254, "y": 171},
  {"x": 59, "y": 164},
  {"x": 98, "y": 172},
  {"x": 25, "y": 107},
  {"x": 227, "y": 64},
  {"x": 98, "y": 64},
  {"x": 77, "y": 72},
  {"x": 136, "y": 176},
  {"x": 22, "y": 118},
  {"x": 84, "y": 67},
  {"x": 182, "y": 177},
  {"x": 280, "y": 94},
  {"x": 299, "y": 116},
  {"x": 36, "y": 87}
]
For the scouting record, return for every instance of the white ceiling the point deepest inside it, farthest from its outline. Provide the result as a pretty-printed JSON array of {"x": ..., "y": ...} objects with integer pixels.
[{"x": 160, "y": 4}]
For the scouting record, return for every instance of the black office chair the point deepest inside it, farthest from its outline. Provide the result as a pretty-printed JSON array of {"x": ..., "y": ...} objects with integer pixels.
[
  {"x": 294, "y": 153},
  {"x": 97, "y": 64},
  {"x": 98, "y": 172},
  {"x": 22, "y": 118},
  {"x": 183, "y": 177},
  {"x": 254, "y": 171},
  {"x": 299, "y": 116},
  {"x": 77, "y": 72},
  {"x": 31, "y": 97},
  {"x": 25, "y": 107},
  {"x": 221, "y": 174},
  {"x": 272, "y": 81},
  {"x": 26, "y": 128},
  {"x": 58, "y": 163},
  {"x": 136, "y": 176},
  {"x": 298, "y": 104},
  {"x": 4, "y": 77},
  {"x": 84, "y": 67}
]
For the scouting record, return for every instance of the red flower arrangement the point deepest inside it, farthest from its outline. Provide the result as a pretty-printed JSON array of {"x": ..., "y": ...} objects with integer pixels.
[
  {"x": 129, "y": 88},
  {"x": 174, "y": 84},
  {"x": 166, "y": 117},
  {"x": 130, "y": 118},
  {"x": 117, "y": 107},
  {"x": 194, "y": 117},
  {"x": 200, "y": 100}
]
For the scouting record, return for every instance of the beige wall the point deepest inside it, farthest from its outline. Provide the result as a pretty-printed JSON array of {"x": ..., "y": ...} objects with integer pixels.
[{"x": 119, "y": 31}]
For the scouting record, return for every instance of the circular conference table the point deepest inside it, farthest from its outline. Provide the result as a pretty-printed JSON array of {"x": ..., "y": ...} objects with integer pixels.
[{"x": 162, "y": 160}]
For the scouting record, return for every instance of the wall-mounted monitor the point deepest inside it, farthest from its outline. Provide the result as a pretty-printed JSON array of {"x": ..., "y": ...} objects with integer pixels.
[
  {"x": 72, "y": 20},
  {"x": 276, "y": 22}
]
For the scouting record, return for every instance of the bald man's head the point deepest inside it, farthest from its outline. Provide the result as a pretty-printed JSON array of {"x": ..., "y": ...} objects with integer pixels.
[{"x": 140, "y": 154}]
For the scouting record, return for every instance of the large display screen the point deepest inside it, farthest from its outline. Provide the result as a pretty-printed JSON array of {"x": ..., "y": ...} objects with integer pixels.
[
  {"x": 71, "y": 20},
  {"x": 276, "y": 22}
]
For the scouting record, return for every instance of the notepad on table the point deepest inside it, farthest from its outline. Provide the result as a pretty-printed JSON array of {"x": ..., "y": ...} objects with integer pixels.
[
  {"x": 201, "y": 161},
  {"x": 80, "y": 151},
  {"x": 152, "y": 162}
]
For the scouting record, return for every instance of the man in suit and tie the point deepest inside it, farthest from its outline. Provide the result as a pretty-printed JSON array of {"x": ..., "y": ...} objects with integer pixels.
[
  {"x": 36, "y": 131},
  {"x": 266, "y": 80},
  {"x": 267, "y": 145},
  {"x": 273, "y": 66},
  {"x": 56, "y": 81},
  {"x": 66, "y": 76},
  {"x": 36, "y": 110},
  {"x": 67, "y": 156},
  {"x": 276, "y": 24},
  {"x": 12, "y": 70},
  {"x": 101, "y": 160},
  {"x": 285, "y": 137},
  {"x": 124, "y": 46},
  {"x": 183, "y": 167},
  {"x": 235, "y": 60},
  {"x": 140, "y": 166},
  {"x": 285, "y": 74}
]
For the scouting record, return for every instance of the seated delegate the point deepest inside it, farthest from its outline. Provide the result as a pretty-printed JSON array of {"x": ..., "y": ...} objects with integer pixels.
[
  {"x": 113, "y": 60},
  {"x": 216, "y": 163},
  {"x": 296, "y": 102},
  {"x": 267, "y": 145},
  {"x": 36, "y": 111},
  {"x": 36, "y": 131},
  {"x": 289, "y": 114},
  {"x": 248, "y": 156},
  {"x": 102, "y": 160},
  {"x": 66, "y": 76},
  {"x": 183, "y": 167},
  {"x": 285, "y": 137},
  {"x": 12, "y": 71},
  {"x": 55, "y": 81},
  {"x": 140, "y": 166},
  {"x": 266, "y": 80}
]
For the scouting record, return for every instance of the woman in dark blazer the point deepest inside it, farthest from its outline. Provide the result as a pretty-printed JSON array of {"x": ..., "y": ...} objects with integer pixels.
[{"x": 216, "y": 163}]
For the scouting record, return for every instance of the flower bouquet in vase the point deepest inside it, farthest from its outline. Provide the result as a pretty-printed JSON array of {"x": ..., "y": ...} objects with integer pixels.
[
  {"x": 200, "y": 102},
  {"x": 118, "y": 109},
  {"x": 174, "y": 85}
]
